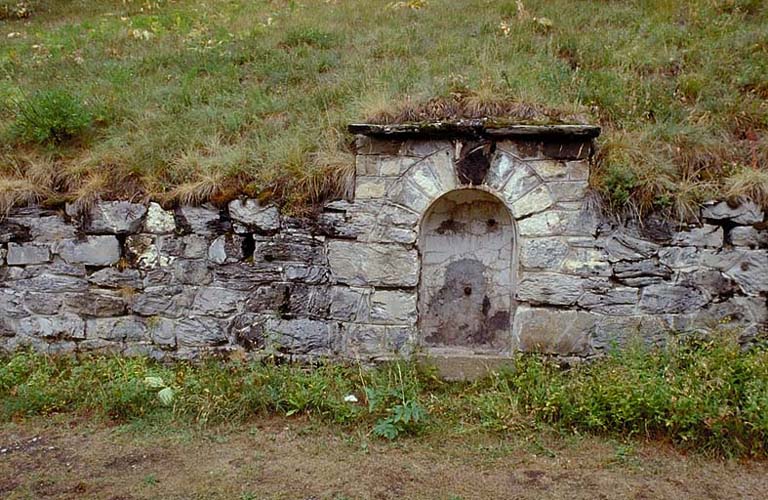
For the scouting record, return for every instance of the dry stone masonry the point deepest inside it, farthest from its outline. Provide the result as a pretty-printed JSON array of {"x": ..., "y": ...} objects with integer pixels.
[{"x": 461, "y": 240}]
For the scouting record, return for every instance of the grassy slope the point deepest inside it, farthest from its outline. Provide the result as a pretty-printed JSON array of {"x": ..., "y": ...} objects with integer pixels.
[{"x": 195, "y": 100}]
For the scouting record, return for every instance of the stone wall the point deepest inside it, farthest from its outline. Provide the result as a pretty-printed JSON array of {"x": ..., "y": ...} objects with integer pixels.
[{"x": 363, "y": 280}]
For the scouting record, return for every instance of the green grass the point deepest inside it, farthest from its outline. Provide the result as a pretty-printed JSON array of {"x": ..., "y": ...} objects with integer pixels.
[
  {"x": 191, "y": 101},
  {"x": 706, "y": 395}
]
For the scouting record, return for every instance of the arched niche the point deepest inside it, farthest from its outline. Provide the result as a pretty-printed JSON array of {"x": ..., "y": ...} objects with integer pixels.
[{"x": 466, "y": 289}]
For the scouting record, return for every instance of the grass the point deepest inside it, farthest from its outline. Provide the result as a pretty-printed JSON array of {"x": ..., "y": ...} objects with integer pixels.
[
  {"x": 189, "y": 101},
  {"x": 705, "y": 395}
]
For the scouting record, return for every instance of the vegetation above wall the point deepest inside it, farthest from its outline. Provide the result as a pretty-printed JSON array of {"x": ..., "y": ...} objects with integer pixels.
[{"x": 188, "y": 101}]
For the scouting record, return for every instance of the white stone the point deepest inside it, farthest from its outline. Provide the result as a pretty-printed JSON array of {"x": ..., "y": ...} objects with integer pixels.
[{"x": 159, "y": 221}]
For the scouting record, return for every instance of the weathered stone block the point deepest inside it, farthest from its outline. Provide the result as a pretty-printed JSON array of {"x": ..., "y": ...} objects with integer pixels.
[
  {"x": 391, "y": 307},
  {"x": 705, "y": 236},
  {"x": 587, "y": 262},
  {"x": 550, "y": 288},
  {"x": 671, "y": 299},
  {"x": 111, "y": 277},
  {"x": 219, "y": 302},
  {"x": 114, "y": 217},
  {"x": 92, "y": 251},
  {"x": 745, "y": 213},
  {"x": 749, "y": 237},
  {"x": 750, "y": 272},
  {"x": 369, "y": 342},
  {"x": 547, "y": 253},
  {"x": 171, "y": 301},
  {"x": 553, "y": 331},
  {"x": 371, "y": 187},
  {"x": 246, "y": 276},
  {"x": 50, "y": 283},
  {"x": 192, "y": 272},
  {"x": 536, "y": 200},
  {"x": 373, "y": 264},
  {"x": 64, "y": 326},
  {"x": 159, "y": 221},
  {"x": 568, "y": 191},
  {"x": 193, "y": 332},
  {"x": 97, "y": 303},
  {"x": 549, "y": 169},
  {"x": 226, "y": 249},
  {"x": 578, "y": 170},
  {"x": 143, "y": 252},
  {"x": 349, "y": 304},
  {"x": 254, "y": 215},
  {"x": 116, "y": 329},
  {"x": 202, "y": 221},
  {"x": 521, "y": 181},
  {"x": 299, "y": 336},
  {"x": 27, "y": 253}
]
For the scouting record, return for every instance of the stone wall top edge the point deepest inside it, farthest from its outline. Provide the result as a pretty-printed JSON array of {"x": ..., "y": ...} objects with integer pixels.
[{"x": 477, "y": 128}]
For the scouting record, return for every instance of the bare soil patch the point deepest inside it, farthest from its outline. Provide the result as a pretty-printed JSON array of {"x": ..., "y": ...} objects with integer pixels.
[{"x": 296, "y": 459}]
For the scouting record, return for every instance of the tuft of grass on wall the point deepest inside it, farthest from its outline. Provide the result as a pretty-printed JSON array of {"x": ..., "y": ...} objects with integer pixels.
[{"x": 709, "y": 395}]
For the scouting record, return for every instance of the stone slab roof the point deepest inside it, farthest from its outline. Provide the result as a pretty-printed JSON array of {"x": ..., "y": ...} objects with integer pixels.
[{"x": 477, "y": 128}]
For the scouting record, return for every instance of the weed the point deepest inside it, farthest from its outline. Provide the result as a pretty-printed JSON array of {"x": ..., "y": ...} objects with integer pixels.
[
  {"x": 704, "y": 394},
  {"x": 51, "y": 116}
]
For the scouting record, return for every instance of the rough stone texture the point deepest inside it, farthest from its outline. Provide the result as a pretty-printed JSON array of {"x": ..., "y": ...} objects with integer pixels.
[
  {"x": 552, "y": 331},
  {"x": 92, "y": 251},
  {"x": 159, "y": 221},
  {"x": 27, "y": 253},
  {"x": 113, "y": 217},
  {"x": 360, "y": 264},
  {"x": 464, "y": 248},
  {"x": 253, "y": 215}
]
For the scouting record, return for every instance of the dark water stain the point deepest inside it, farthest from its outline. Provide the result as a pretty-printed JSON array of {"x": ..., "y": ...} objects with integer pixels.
[{"x": 460, "y": 312}]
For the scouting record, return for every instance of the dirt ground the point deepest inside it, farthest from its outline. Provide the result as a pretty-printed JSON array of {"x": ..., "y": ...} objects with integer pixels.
[{"x": 296, "y": 459}]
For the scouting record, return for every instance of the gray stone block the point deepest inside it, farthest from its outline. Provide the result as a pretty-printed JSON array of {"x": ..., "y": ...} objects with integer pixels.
[
  {"x": 373, "y": 264},
  {"x": 226, "y": 249},
  {"x": 705, "y": 236},
  {"x": 391, "y": 307},
  {"x": 749, "y": 237},
  {"x": 745, "y": 213},
  {"x": 111, "y": 277},
  {"x": 27, "y": 253},
  {"x": 113, "y": 217},
  {"x": 116, "y": 329},
  {"x": 550, "y": 288},
  {"x": 671, "y": 299},
  {"x": 253, "y": 215},
  {"x": 553, "y": 331},
  {"x": 61, "y": 326},
  {"x": 92, "y": 251}
]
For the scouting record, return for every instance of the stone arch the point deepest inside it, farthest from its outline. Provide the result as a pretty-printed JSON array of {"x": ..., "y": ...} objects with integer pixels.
[{"x": 467, "y": 241}]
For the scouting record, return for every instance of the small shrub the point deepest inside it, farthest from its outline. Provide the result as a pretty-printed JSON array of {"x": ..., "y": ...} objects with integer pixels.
[
  {"x": 16, "y": 9},
  {"x": 312, "y": 37},
  {"x": 618, "y": 183},
  {"x": 51, "y": 116}
]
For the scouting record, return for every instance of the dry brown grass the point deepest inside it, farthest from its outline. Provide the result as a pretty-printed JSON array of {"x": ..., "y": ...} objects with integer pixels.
[{"x": 470, "y": 105}]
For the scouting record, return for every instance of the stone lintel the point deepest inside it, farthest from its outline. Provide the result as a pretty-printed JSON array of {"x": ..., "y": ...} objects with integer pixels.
[{"x": 477, "y": 129}]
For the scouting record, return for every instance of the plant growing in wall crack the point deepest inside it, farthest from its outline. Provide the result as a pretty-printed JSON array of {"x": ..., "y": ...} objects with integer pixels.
[{"x": 165, "y": 393}]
